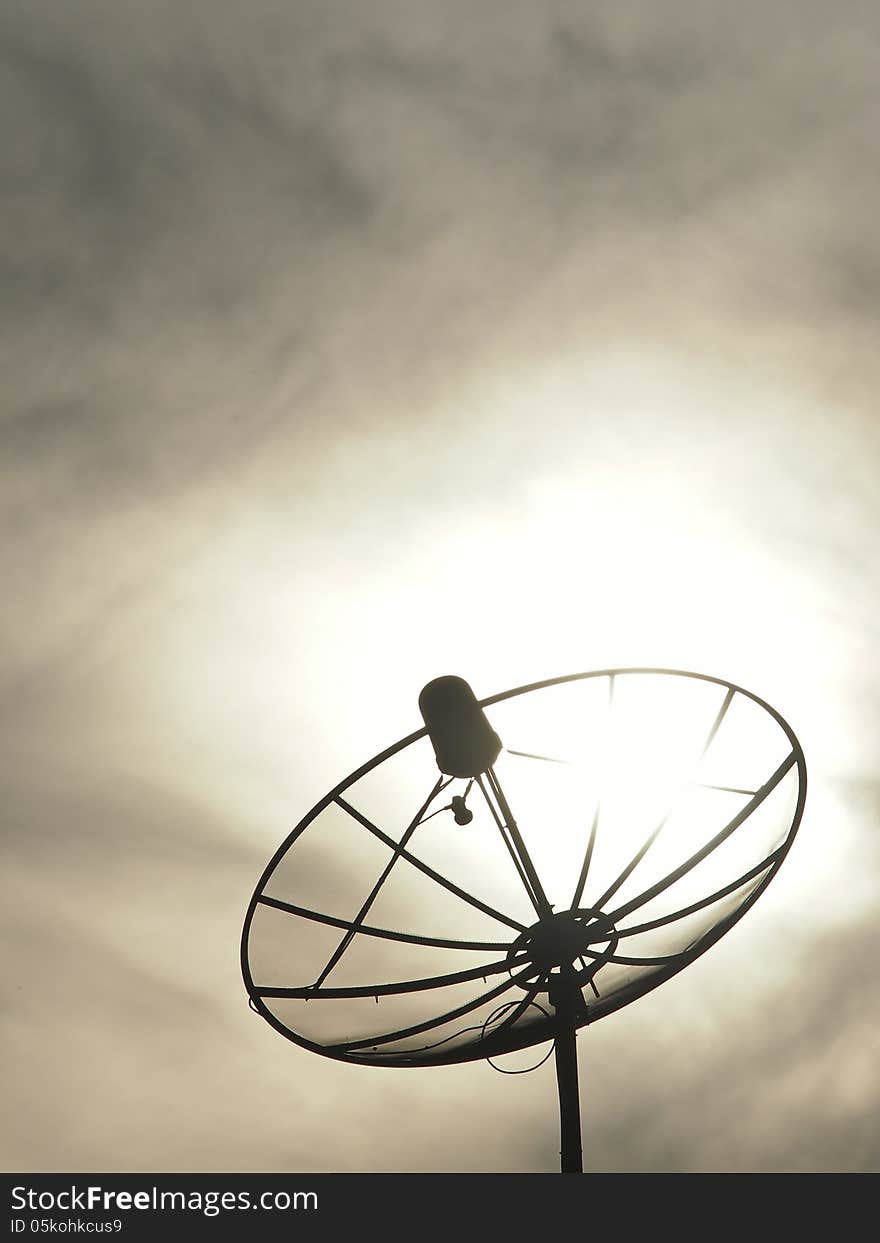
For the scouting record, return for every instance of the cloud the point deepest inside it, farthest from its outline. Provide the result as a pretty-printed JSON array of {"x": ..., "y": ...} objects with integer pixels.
[{"x": 340, "y": 341}]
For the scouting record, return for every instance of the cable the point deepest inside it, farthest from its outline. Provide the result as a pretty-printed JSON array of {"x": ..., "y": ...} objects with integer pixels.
[{"x": 494, "y": 1016}]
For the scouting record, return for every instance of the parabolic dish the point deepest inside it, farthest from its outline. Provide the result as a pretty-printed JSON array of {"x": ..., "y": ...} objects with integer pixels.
[{"x": 656, "y": 805}]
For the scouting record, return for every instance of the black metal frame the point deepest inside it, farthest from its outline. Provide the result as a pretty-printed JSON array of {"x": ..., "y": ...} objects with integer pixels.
[
  {"x": 537, "y": 1032},
  {"x": 570, "y": 1011}
]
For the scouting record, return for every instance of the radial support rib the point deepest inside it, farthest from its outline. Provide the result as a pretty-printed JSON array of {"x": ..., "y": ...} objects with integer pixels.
[
  {"x": 426, "y": 870},
  {"x": 359, "y": 918},
  {"x": 711, "y": 845},
  {"x": 387, "y": 934}
]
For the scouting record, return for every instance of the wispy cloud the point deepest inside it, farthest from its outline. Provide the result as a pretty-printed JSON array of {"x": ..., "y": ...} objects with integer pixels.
[{"x": 340, "y": 342}]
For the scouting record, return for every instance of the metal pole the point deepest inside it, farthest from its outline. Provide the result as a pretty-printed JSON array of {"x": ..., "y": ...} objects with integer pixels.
[{"x": 565, "y": 1003}]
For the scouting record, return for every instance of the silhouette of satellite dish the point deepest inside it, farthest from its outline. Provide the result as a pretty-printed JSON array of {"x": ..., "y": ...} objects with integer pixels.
[{"x": 521, "y": 867}]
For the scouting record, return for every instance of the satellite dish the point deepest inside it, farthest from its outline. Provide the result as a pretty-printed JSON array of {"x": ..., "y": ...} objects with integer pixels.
[{"x": 522, "y": 867}]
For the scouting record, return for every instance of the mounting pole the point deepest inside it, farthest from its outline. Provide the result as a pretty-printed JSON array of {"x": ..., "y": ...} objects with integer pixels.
[{"x": 565, "y": 997}]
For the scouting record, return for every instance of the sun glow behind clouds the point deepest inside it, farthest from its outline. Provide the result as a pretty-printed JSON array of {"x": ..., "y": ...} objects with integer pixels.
[
  {"x": 600, "y": 515},
  {"x": 612, "y": 556}
]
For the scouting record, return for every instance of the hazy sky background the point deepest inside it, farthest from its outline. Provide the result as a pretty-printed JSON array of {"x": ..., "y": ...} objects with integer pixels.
[{"x": 345, "y": 345}]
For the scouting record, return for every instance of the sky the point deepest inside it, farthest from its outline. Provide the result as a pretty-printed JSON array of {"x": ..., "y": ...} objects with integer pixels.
[{"x": 349, "y": 345}]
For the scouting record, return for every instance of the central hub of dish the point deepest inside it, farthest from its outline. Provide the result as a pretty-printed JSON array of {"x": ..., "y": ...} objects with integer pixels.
[{"x": 578, "y": 942}]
